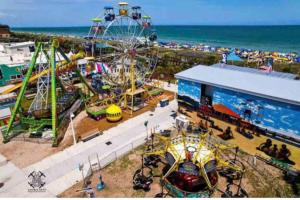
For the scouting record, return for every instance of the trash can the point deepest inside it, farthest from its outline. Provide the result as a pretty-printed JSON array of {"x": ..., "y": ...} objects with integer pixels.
[{"x": 164, "y": 102}]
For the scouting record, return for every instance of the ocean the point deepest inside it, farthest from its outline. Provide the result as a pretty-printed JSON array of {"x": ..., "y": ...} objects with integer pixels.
[{"x": 266, "y": 38}]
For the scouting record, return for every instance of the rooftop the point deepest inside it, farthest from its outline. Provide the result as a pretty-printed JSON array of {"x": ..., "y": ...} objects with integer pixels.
[
  {"x": 4, "y": 29},
  {"x": 260, "y": 84},
  {"x": 22, "y": 56},
  {"x": 256, "y": 71},
  {"x": 4, "y": 26},
  {"x": 20, "y": 44}
]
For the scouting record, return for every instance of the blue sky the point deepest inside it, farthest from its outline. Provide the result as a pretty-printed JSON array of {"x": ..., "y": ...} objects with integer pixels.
[{"x": 37, "y": 13}]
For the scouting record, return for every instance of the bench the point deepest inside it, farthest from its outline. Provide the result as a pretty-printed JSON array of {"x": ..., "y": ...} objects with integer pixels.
[{"x": 91, "y": 135}]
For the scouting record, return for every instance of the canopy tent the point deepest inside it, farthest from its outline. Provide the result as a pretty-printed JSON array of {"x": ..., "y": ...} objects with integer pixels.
[
  {"x": 224, "y": 110},
  {"x": 233, "y": 57}
]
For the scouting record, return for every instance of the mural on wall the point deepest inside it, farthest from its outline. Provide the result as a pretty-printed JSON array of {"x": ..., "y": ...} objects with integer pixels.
[
  {"x": 189, "y": 92},
  {"x": 270, "y": 114}
]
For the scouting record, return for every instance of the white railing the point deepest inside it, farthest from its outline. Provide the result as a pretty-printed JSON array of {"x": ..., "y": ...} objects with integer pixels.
[{"x": 110, "y": 157}]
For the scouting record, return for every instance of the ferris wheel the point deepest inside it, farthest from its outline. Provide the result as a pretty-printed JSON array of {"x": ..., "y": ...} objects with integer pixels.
[{"x": 126, "y": 41}]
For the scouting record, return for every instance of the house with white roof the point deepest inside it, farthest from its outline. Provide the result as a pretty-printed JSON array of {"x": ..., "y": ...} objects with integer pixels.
[{"x": 14, "y": 57}]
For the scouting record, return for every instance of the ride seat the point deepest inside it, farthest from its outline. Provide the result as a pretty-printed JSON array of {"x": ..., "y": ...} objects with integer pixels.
[
  {"x": 136, "y": 16},
  {"x": 123, "y": 12},
  {"x": 109, "y": 17},
  {"x": 146, "y": 24}
]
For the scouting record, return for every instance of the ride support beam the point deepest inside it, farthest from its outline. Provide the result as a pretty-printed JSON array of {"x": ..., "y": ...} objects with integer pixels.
[
  {"x": 84, "y": 81},
  {"x": 21, "y": 93},
  {"x": 132, "y": 79},
  {"x": 53, "y": 94},
  {"x": 46, "y": 54},
  {"x": 64, "y": 55}
]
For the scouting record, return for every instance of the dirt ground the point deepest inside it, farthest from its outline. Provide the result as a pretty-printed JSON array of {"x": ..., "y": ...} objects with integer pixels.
[
  {"x": 20, "y": 152},
  {"x": 248, "y": 145},
  {"x": 88, "y": 125},
  {"x": 23, "y": 153},
  {"x": 118, "y": 181}
]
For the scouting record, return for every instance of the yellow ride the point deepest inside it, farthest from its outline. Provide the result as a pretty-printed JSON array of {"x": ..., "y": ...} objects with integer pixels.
[
  {"x": 192, "y": 166},
  {"x": 113, "y": 113}
]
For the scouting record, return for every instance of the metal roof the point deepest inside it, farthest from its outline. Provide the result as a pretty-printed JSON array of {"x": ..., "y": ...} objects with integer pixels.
[
  {"x": 256, "y": 71},
  {"x": 258, "y": 84}
]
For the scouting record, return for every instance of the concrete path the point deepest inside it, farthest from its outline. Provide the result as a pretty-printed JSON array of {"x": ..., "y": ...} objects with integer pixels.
[
  {"x": 61, "y": 169},
  {"x": 172, "y": 87}
]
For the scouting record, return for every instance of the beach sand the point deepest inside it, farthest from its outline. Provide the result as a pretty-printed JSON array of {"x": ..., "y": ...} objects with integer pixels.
[{"x": 248, "y": 145}]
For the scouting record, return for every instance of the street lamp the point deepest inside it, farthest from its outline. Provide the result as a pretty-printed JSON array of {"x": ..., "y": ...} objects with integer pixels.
[
  {"x": 146, "y": 125},
  {"x": 72, "y": 126}
]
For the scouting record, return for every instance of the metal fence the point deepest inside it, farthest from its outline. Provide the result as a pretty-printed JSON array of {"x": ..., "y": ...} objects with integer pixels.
[{"x": 97, "y": 163}]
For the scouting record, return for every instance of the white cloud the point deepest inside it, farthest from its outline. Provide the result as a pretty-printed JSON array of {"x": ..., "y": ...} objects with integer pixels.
[{"x": 6, "y": 15}]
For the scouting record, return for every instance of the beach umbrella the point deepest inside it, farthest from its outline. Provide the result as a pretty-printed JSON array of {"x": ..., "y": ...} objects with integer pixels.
[{"x": 233, "y": 57}]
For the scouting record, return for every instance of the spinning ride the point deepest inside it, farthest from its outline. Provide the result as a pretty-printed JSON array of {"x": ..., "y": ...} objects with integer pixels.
[
  {"x": 113, "y": 113},
  {"x": 191, "y": 166}
]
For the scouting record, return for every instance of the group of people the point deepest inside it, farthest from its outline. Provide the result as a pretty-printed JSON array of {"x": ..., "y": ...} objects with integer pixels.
[
  {"x": 227, "y": 134},
  {"x": 282, "y": 153},
  {"x": 244, "y": 132},
  {"x": 272, "y": 150}
]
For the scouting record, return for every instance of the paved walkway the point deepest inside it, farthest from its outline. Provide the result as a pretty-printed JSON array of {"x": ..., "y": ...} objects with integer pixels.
[
  {"x": 172, "y": 87},
  {"x": 61, "y": 169}
]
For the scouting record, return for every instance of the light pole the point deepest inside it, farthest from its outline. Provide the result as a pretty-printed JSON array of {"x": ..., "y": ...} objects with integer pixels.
[
  {"x": 146, "y": 125},
  {"x": 72, "y": 126},
  {"x": 80, "y": 167}
]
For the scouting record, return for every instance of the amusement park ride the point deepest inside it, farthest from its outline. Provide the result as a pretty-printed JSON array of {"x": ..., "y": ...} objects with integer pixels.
[
  {"x": 125, "y": 62},
  {"x": 191, "y": 164},
  {"x": 132, "y": 56},
  {"x": 50, "y": 102}
]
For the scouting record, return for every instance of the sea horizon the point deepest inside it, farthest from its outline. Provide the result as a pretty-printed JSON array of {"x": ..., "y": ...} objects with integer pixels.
[
  {"x": 277, "y": 38},
  {"x": 88, "y": 25}
]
